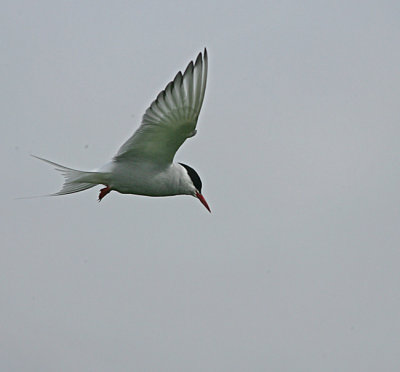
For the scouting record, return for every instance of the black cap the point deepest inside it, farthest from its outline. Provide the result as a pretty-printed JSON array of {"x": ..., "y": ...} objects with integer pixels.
[{"x": 193, "y": 176}]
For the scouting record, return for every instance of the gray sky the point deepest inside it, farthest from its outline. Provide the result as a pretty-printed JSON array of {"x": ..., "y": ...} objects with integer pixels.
[{"x": 296, "y": 269}]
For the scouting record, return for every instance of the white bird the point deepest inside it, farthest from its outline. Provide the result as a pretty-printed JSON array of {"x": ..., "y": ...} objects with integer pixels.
[{"x": 144, "y": 163}]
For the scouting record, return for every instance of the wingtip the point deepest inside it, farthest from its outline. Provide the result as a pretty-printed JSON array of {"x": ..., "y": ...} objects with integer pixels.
[
  {"x": 189, "y": 68},
  {"x": 202, "y": 55},
  {"x": 205, "y": 57}
]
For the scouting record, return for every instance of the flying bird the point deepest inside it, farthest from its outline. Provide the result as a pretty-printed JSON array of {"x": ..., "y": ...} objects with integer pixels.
[{"x": 144, "y": 163}]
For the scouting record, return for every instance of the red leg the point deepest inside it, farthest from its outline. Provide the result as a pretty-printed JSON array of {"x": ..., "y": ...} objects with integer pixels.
[{"x": 104, "y": 192}]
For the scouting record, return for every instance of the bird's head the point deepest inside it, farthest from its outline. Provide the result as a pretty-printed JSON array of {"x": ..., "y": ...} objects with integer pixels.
[{"x": 196, "y": 181}]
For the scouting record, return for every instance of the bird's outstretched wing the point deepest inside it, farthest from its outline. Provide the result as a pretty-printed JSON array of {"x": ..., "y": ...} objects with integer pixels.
[{"x": 171, "y": 118}]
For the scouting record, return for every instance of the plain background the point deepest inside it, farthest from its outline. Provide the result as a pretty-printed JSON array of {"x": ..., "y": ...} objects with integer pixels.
[{"x": 297, "y": 267}]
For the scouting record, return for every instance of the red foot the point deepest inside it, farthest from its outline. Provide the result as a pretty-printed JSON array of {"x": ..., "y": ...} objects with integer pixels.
[{"x": 104, "y": 192}]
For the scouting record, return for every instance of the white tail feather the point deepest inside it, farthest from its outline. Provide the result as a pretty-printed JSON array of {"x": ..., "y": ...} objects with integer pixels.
[{"x": 76, "y": 180}]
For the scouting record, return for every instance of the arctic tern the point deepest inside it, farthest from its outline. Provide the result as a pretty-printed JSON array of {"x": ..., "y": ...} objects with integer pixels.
[{"x": 144, "y": 163}]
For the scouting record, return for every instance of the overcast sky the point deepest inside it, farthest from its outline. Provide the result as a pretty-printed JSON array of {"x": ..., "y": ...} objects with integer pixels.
[{"x": 297, "y": 267}]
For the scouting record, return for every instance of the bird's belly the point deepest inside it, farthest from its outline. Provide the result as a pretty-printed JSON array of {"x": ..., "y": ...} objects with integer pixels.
[{"x": 143, "y": 182}]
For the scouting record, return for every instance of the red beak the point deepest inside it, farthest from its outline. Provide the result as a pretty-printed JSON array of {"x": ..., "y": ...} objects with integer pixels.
[{"x": 203, "y": 201}]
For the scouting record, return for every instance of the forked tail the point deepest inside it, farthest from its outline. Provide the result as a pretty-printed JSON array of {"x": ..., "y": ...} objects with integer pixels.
[{"x": 75, "y": 180}]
